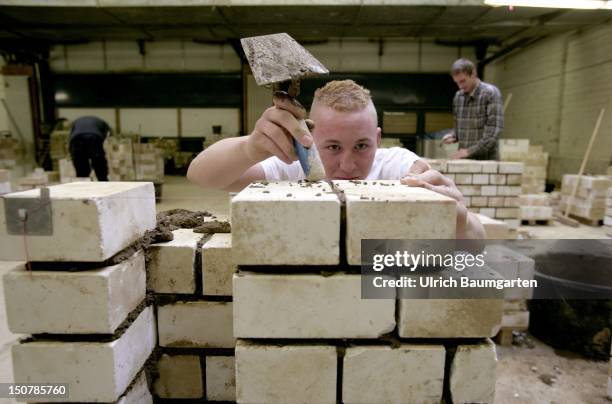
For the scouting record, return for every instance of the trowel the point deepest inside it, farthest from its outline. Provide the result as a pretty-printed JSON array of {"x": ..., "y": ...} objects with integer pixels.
[{"x": 278, "y": 58}]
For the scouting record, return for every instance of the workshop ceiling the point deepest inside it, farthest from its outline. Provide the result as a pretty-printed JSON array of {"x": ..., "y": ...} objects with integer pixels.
[{"x": 452, "y": 22}]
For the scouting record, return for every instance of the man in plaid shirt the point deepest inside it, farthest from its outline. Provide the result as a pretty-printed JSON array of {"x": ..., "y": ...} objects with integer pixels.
[{"x": 478, "y": 114}]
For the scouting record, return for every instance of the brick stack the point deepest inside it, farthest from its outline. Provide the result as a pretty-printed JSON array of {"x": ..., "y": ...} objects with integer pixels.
[
  {"x": 5, "y": 181},
  {"x": 534, "y": 176},
  {"x": 490, "y": 188},
  {"x": 608, "y": 217},
  {"x": 512, "y": 265},
  {"x": 535, "y": 207},
  {"x": 89, "y": 321},
  {"x": 304, "y": 333},
  {"x": 149, "y": 162},
  {"x": 67, "y": 172},
  {"x": 589, "y": 202},
  {"x": 534, "y": 158},
  {"x": 120, "y": 156},
  {"x": 59, "y": 147},
  {"x": 10, "y": 150},
  {"x": 191, "y": 277},
  {"x": 35, "y": 180}
]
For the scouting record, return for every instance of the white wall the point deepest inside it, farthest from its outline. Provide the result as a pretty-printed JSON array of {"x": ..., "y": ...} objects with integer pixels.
[{"x": 558, "y": 87}]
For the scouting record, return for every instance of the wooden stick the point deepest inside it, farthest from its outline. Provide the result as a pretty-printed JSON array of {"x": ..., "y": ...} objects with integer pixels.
[
  {"x": 584, "y": 161},
  {"x": 507, "y": 102}
]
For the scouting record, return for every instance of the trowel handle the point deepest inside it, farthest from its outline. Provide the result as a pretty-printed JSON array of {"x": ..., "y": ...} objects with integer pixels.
[{"x": 301, "y": 150}]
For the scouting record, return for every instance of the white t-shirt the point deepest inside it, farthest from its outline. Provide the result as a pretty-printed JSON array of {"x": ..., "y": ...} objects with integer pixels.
[{"x": 389, "y": 164}]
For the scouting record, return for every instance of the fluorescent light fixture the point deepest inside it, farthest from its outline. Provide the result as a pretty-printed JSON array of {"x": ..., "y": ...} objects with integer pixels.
[
  {"x": 576, "y": 4},
  {"x": 61, "y": 96}
]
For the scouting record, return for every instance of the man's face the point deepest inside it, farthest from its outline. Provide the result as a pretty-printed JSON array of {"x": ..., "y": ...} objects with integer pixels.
[
  {"x": 465, "y": 82},
  {"x": 347, "y": 141}
]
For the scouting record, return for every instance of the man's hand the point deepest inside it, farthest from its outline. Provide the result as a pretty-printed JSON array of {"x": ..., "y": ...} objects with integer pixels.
[
  {"x": 468, "y": 226},
  {"x": 449, "y": 138},
  {"x": 460, "y": 154},
  {"x": 273, "y": 132}
]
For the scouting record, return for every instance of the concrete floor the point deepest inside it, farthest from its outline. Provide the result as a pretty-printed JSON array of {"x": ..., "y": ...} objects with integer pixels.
[{"x": 515, "y": 363}]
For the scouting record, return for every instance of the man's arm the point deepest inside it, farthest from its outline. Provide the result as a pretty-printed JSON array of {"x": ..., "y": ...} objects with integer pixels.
[
  {"x": 231, "y": 164},
  {"x": 494, "y": 124}
]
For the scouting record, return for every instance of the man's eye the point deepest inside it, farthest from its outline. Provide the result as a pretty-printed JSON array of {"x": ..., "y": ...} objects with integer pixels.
[
  {"x": 333, "y": 147},
  {"x": 361, "y": 146}
]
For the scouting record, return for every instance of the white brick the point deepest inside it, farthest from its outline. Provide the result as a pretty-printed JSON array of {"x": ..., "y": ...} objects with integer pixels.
[
  {"x": 470, "y": 190},
  {"x": 479, "y": 201},
  {"x": 64, "y": 302},
  {"x": 489, "y": 166},
  {"x": 449, "y": 318},
  {"x": 510, "y": 167},
  {"x": 498, "y": 179},
  {"x": 473, "y": 373},
  {"x": 494, "y": 229},
  {"x": 94, "y": 371},
  {"x": 507, "y": 190},
  {"x": 286, "y": 224},
  {"x": 463, "y": 179},
  {"x": 220, "y": 378},
  {"x": 514, "y": 179},
  {"x": 217, "y": 265},
  {"x": 513, "y": 224},
  {"x": 536, "y": 213},
  {"x": 391, "y": 210},
  {"x": 307, "y": 306},
  {"x": 480, "y": 179},
  {"x": 511, "y": 202},
  {"x": 516, "y": 319},
  {"x": 496, "y": 202},
  {"x": 285, "y": 374},
  {"x": 180, "y": 376},
  {"x": 506, "y": 213},
  {"x": 105, "y": 217},
  {"x": 171, "y": 268},
  {"x": 463, "y": 166},
  {"x": 511, "y": 265},
  {"x": 381, "y": 374},
  {"x": 490, "y": 212},
  {"x": 139, "y": 392},
  {"x": 196, "y": 324},
  {"x": 489, "y": 190}
]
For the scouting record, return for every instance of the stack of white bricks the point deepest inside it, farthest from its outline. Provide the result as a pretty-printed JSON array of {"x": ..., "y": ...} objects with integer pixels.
[
  {"x": 193, "y": 292},
  {"x": 90, "y": 323},
  {"x": 58, "y": 149},
  {"x": 534, "y": 158},
  {"x": 608, "y": 217},
  {"x": 534, "y": 176},
  {"x": 149, "y": 162},
  {"x": 9, "y": 153},
  {"x": 512, "y": 264},
  {"x": 5, "y": 181},
  {"x": 304, "y": 332},
  {"x": 120, "y": 156},
  {"x": 67, "y": 172},
  {"x": 490, "y": 188},
  {"x": 535, "y": 207},
  {"x": 589, "y": 202},
  {"x": 38, "y": 178}
]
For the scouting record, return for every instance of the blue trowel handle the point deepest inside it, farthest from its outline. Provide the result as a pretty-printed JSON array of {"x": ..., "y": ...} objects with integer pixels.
[{"x": 302, "y": 153}]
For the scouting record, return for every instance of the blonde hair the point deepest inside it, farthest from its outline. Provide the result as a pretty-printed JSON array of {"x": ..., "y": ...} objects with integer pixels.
[{"x": 343, "y": 95}]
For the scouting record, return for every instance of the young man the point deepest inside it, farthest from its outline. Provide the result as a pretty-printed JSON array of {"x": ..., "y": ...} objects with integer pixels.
[
  {"x": 478, "y": 112},
  {"x": 346, "y": 134}
]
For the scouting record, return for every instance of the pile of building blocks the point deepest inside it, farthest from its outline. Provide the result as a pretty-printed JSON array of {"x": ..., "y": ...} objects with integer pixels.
[
  {"x": 535, "y": 208},
  {"x": 589, "y": 203},
  {"x": 490, "y": 188},
  {"x": 10, "y": 151},
  {"x": 191, "y": 279},
  {"x": 149, "y": 162},
  {"x": 304, "y": 332},
  {"x": 534, "y": 158},
  {"x": 59, "y": 146},
  {"x": 120, "y": 156},
  {"x": 88, "y": 319}
]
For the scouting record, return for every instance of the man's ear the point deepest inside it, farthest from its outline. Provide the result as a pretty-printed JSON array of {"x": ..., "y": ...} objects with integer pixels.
[{"x": 378, "y": 136}]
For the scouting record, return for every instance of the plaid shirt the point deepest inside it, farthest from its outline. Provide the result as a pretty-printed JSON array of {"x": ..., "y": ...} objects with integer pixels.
[{"x": 479, "y": 120}]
